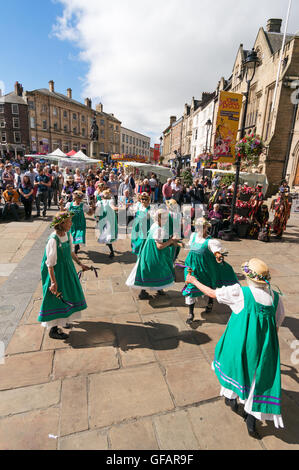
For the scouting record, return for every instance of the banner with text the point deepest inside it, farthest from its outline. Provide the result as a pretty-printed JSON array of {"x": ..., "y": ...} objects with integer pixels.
[{"x": 230, "y": 105}]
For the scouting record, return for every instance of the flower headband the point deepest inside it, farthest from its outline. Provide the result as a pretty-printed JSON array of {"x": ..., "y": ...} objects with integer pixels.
[
  {"x": 255, "y": 276},
  {"x": 61, "y": 218}
]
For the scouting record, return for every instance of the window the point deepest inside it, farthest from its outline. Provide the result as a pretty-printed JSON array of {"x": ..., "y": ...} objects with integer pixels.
[
  {"x": 17, "y": 137},
  {"x": 83, "y": 132},
  {"x": 65, "y": 128},
  {"x": 268, "y": 122},
  {"x": 3, "y": 136},
  {"x": 83, "y": 118},
  {"x": 44, "y": 108},
  {"x": 130, "y": 139},
  {"x": 2, "y": 122},
  {"x": 1, "y": 108},
  {"x": 102, "y": 122},
  {"x": 16, "y": 123},
  {"x": 74, "y": 117},
  {"x": 116, "y": 128},
  {"x": 102, "y": 134},
  {"x": 15, "y": 109},
  {"x": 45, "y": 125},
  {"x": 55, "y": 126},
  {"x": 133, "y": 140},
  {"x": 31, "y": 105},
  {"x": 32, "y": 123},
  {"x": 75, "y": 130},
  {"x": 102, "y": 148},
  {"x": 54, "y": 111},
  {"x": 122, "y": 148},
  {"x": 127, "y": 139},
  {"x": 65, "y": 114}
]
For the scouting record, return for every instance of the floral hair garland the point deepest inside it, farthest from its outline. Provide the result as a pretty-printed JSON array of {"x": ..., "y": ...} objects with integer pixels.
[
  {"x": 61, "y": 218},
  {"x": 255, "y": 276}
]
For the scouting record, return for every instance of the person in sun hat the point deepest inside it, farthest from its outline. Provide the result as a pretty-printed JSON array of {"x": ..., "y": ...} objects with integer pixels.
[
  {"x": 59, "y": 276},
  {"x": 142, "y": 223},
  {"x": 206, "y": 262},
  {"x": 106, "y": 227},
  {"x": 247, "y": 357},
  {"x": 154, "y": 269},
  {"x": 78, "y": 229}
]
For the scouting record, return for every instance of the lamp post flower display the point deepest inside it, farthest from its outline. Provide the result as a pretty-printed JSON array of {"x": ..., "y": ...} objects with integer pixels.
[{"x": 249, "y": 148}]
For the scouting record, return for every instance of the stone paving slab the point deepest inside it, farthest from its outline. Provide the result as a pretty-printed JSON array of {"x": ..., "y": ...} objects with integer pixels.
[
  {"x": 27, "y": 338},
  {"x": 91, "y": 440},
  {"x": 139, "y": 435},
  {"x": 30, "y": 431},
  {"x": 174, "y": 431},
  {"x": 21, "y": 400},
  {"x": 127, "y": 394},
  {"x": 26, "y": 369},
  {"x": 74, "y": 407}
]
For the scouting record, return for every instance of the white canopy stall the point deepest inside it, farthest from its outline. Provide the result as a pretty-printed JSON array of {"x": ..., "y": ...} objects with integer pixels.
[{"x": 163, "y": 172}]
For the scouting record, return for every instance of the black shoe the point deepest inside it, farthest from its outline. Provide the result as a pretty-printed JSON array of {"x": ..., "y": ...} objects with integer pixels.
[
  {"x": 143, "y": 295},
  {"x": 111, "y": 255},
  {"x": 232, "y": 403},
  {"x": 68, "y": 326},
  {"x": 77, "y": 249},
  {"x": 44, "y": 214},
  {"x": 190, "y": 320},
  {"x": 161, "y": 292},
  {"x": 55, "y": 333},
  {"x": 250, "y": 423}
]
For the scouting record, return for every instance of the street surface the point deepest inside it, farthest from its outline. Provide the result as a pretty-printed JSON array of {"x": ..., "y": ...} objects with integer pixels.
[{"x": 132, "y": 374}]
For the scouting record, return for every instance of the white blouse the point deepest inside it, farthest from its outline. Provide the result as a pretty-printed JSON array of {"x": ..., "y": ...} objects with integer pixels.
[
  {"x": 233, "y": 297},
  {"x": 51, "y": 249},
  {"x": 86, "y": 207},
  {"x": 214, "y": 245}
]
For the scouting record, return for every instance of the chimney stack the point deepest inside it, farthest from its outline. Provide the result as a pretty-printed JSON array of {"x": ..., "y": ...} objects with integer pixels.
[
  {"x": 274, "y": 25},
  {"x": 69, "y": 93},
  {"x": 172, "y": 119},
  {"x": 51, "y": 86},
  {"x": 88, "y": 102},
  {"x": 99, "y": 108},
  {"x": 18, "y": 89}
]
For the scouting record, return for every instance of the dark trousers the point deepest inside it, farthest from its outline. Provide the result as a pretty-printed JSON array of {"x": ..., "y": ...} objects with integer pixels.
[
  {"x": 11, "y": 209},
  {"x": 41, "y": 197},
  {"x": 28, "y": 207}
]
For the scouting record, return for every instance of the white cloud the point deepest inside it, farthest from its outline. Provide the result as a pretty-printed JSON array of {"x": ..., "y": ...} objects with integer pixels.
[{"x": 147, "y": 57}]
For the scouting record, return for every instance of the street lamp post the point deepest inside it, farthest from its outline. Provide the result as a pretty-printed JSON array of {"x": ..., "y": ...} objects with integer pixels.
[
  {"x": 161, "y": 141},
  {"x": 249, "y": 64},
  {"x": 208, "y": 125}
]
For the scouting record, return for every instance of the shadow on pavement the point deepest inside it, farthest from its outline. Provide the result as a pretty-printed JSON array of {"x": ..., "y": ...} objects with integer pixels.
[{"x": 149, "y": 335}]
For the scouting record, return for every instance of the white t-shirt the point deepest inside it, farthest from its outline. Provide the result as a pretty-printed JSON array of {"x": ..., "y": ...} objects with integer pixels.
[
  {"x": 51, "y": 249},
  {"x": 233, "y": 297}
]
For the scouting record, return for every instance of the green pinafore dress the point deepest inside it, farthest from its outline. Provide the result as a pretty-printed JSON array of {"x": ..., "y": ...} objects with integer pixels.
[
  {"x": 68, "y": 284},
  {"x": 206, "y": 269},
  {"x": 154, "y": 268},
  {"x": 140, "y": 229},
  {"x": 249, "y": 348},
  {"x": 78, "y": 229}
]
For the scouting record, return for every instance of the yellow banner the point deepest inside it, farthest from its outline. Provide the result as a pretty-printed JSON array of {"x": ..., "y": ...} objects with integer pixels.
[{"x": 230, "y": 105}]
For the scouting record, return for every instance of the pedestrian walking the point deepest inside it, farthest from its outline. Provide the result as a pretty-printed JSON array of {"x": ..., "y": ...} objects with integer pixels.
[
  {"x": 247, "y": 357},
  {"x": 59, "y": 276}
]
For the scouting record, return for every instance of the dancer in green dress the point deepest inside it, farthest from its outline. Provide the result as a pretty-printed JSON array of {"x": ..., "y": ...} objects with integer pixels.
[
  {"x": 142, "y": 224},
  {"x": 154, "y": 269},
  {"x": 107, "y": 227},
  {"x": 205, "y": 261},
  {"x": 247, "y": 358},
  {"x": 59, "y": 276},
  {"x": 78, "y": 229}
]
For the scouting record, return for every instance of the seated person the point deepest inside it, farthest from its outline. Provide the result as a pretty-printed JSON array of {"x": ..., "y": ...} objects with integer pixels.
[
  {"x": 216, "y": 219},
  {"x": 11, "y": 198}
]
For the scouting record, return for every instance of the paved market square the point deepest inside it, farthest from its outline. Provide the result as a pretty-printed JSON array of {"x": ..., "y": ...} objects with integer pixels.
[{"x": 132, "y": 374}]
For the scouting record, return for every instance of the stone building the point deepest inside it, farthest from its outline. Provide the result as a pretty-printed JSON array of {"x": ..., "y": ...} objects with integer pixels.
[
  {"x": 273, "y": 123},
  {"x": 58, "y": 121},
  {"x": 167, "y": 139},
  {"x": 14, "y": 129},
  {"x": 133, "y": 144},
  {"x": 109, "y": 131}
]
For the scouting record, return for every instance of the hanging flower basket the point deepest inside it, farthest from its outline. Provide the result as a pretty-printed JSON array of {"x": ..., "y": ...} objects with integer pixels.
[{"x": 249, "y": 148}]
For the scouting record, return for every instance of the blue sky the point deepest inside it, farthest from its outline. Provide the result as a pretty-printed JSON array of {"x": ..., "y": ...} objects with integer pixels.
[
  {"x": 144, "y": 59},
  {"x": 33, "y": 55}
]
